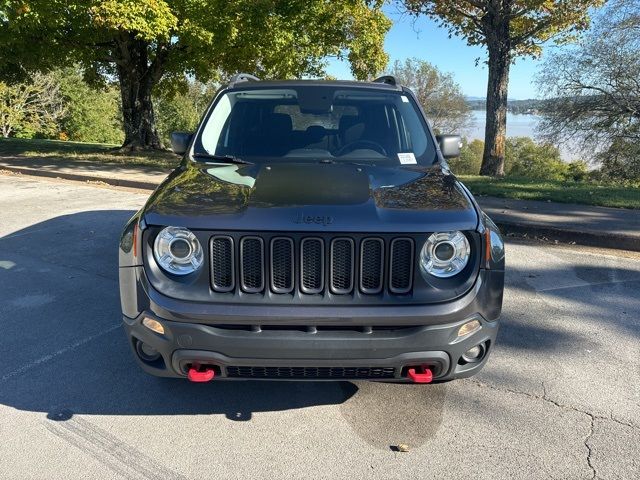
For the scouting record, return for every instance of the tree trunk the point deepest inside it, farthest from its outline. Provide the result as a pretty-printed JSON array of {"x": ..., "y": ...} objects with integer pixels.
[
  {"x": 137, "y": 79},
  {"x": 496, "y": 123}
]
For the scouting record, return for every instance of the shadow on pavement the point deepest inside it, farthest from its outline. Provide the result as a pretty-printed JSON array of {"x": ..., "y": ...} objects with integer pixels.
[
  {"x": 597, "y": 294},
  {"x": 63, "y": 352}
]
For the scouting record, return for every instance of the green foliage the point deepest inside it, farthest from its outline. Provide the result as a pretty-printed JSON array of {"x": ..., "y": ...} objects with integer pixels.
[
  {"x": 151, "y": 44},
  {"x": 440, "y": 96},
  {"x": 621, "y": 161},
  {"x": 92, "y": 113},
  {"x": 470, "y": 159},
  {"x": 529, "y": 23},
  {"x": 30, "y": 109},
  {"x": 180, "y": 111},
  {"x": 577, "y": 171},
  {"x": 525, "y": 158},
  {"x": 203, "y": 37}
]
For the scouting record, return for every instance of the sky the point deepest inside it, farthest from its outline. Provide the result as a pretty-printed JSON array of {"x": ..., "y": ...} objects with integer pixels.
[{"x": 425, "y": 40}]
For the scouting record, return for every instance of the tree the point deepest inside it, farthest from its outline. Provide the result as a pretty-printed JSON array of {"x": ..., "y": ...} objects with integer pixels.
[
  {"x": 592, "y": 91},
  {"x": 30, "y": 108},
  {"x": 440, "y": 96},
  {"x": 508, "y": 29},
  {"x": 151, "y": 44}
]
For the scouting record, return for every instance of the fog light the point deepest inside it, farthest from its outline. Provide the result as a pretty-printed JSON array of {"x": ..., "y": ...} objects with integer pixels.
[
  {"x": 473, "y": 354},
  {"x": 469, "y": 328},
  {"x": 153, "y": 325},
  {"x": 146, "y": 352}
]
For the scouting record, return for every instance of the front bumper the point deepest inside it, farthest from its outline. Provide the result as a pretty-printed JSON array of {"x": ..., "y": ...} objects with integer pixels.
[
  {"x": 307, "y": 342},
  {"x": 318, "y": 354}
]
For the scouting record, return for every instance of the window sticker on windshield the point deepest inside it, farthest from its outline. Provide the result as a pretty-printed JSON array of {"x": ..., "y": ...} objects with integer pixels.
[
  {"x": 404, "y": 99},
  {"x": 407, "y": 158}
]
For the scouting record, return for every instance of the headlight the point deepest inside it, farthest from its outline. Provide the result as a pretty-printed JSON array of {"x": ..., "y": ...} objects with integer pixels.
[
  {"x": 445, "y": 254},
  {"x": 178, "y": 251}
]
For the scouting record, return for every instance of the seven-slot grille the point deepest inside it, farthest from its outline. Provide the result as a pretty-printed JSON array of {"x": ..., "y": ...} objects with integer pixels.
[{"x": 311, "y": 265}]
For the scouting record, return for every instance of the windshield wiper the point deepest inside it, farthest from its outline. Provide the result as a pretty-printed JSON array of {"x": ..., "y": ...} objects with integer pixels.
[
  {"x": 222, "y": 158},
  {"x": 345, "y": 162}
]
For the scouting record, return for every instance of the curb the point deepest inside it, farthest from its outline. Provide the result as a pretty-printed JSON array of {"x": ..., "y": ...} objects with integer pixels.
[
  {"x": 586, "y": 238},
  {"x": 116, "y": 182}
]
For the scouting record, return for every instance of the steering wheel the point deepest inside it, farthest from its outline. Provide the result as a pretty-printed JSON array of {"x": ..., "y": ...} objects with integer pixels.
[{"x": 350, "y": 147}]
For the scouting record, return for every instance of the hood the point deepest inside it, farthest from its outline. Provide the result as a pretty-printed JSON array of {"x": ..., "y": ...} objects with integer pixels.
[{"x": 312, "y": 197}]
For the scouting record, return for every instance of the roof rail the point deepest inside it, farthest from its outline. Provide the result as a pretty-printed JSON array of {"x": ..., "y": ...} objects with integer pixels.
[
  {"x": 242, "y": 77},
  {"x": 388, "y": 79}
]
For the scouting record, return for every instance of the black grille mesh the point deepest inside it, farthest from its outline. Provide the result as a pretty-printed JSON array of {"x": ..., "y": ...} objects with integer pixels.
[
  {"x": 252, "y": 264},
  {"x": 310, "y": 372},
  {"x": 342, "y": 265},
  {"x": 371, "y": 265},
  {"x": 401, "y": 265},
  {"x": 312, "y": 251},
  {"x": 222, "y": 264},
  {"x": 282, "y": 265}
]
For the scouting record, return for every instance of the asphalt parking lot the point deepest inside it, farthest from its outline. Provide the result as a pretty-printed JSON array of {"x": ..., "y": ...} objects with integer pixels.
[{"x": 560, "y": 397}]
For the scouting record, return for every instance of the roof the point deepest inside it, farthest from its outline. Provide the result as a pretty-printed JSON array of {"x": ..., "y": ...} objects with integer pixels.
[{"x": 251, "y": 83}]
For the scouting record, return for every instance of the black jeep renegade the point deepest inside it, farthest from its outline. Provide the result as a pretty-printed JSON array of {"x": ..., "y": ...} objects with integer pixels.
[{"x": 312, "y": 231}]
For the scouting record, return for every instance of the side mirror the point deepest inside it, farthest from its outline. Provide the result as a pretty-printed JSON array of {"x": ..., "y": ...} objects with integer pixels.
[
  {"x": 180, "y": 142},
  {"x": 450, "y": 145}
]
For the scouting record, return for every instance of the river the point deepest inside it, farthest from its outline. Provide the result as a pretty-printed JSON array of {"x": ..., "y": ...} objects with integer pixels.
[{"x": 518, "y": 125}]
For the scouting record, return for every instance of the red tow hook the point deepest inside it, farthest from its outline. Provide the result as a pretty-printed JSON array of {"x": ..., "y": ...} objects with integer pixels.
[
  {"x": 425, "y": 375},
  {"x": 199, "y": 373}
]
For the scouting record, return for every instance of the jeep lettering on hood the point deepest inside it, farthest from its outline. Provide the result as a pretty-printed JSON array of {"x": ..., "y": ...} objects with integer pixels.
[{"x": 319, "y": 219}]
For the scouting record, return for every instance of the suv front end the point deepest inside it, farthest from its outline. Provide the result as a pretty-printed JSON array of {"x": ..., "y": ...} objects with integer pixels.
[{"x": 319, "y": 263}]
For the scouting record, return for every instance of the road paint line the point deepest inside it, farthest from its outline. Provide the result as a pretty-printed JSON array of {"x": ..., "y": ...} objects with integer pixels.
[{"x": 57, "y": 353}]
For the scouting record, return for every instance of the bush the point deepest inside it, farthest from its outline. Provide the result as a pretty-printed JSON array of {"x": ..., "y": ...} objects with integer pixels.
[
  {"x": 577, "y": 171},
  {"x": 92, "y": 114},
  {"x": 470, "y": 159},
  {"x": 526, "y": 158},
  {"x": 621, "y": 162}
]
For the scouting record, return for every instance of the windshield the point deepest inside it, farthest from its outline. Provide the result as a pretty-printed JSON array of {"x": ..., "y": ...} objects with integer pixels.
[{"x": 317, "y": 123}]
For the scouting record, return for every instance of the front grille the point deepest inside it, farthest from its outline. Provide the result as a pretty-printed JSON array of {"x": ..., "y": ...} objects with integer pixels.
[
  {"x": 311, "y": 372},
  {"x": 303, "y": 266}
]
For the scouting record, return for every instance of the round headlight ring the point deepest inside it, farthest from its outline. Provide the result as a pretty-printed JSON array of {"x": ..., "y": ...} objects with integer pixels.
[
  {"x": 432, "y": 262},
  {"x": 178, "y": 251}
]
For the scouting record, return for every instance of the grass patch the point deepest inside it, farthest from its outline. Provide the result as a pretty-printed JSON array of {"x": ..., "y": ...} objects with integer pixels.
[
  {"x": 56, "y": 150},
  {"x": 588, "y": 193}
]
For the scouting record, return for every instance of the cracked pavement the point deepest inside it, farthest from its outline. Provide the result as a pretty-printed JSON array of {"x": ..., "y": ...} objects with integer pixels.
[{"x": 559, "y": 397}]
